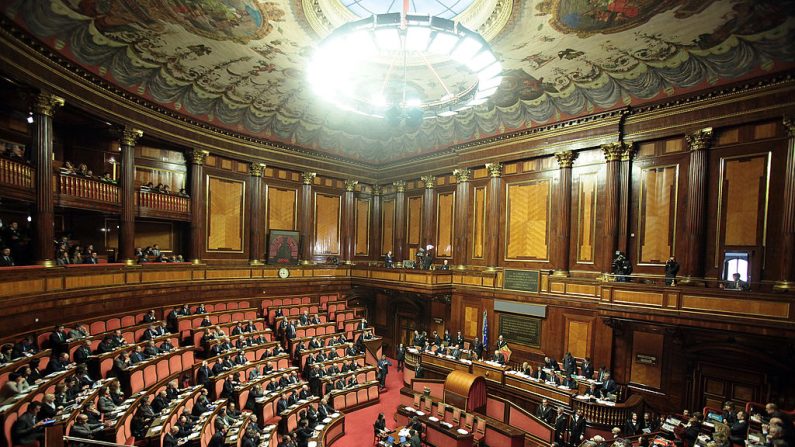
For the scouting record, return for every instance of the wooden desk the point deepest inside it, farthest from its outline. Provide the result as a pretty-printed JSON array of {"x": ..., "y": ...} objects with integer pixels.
[
  {"x": 540, "y": 388},
  {"x": 328, "y": 432},
  {"x": 446, "y": 363},
  {"x": 355, "y": 397},
  {"x": 437, "y": 434},
  {"x": 289, "y": 420},
  {"x": 491, "y": 372}
]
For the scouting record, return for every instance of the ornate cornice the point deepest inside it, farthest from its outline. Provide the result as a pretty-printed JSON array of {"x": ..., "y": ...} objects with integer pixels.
[
  {"x": 256, "y": 169},
  {"x": 462, "y": 175},
  {"x": 789, "y": 125},
  {"x": 429, "y": 180},
  {"x": 308, "y": 177},
  {"x": 196, "y": 156},
  {"x": 565, "y": 158},
  {"x": 350, "y": 185},
  {"x": 130, "y": 135},
  {"x": 700, "y": 139},
  {"x": 613, "y": 151},
  {"x": 400, "y": 186},
  {"x": 495, "y": 169},
  {"x": 45, "y": 103}
]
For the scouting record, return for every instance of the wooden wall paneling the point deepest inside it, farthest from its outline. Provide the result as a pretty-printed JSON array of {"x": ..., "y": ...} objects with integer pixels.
[
  {"x": 174, "y": 179},
  {"x": 645, "y": 347},
  {"x": 478, "y": 222},
  {"x": 327, "y": 224},
  {"x": 225, "y": 214},
  {"x": 388, "y": 226},
  {"x": 147, "y": 233},
  {"x": 282, "y": 207},
  {"x": 445, "y": 224},
  {"x": 657, "y": 214},
  {"x": 579, "y": 336},
  {"x": 362, "y": 239},
  {"x": 413, "y": 225},
  {"x": 587, "y": 202},
  {"x": 527, "y": 229}
]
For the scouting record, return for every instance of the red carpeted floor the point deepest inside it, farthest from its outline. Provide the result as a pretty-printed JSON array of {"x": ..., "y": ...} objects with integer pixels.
[{"x": 359, "y": 424}]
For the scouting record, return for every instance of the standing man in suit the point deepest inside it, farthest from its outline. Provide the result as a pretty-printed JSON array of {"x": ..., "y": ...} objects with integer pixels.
[
  {"x": 459, "y": 340},
  {"x": 671, "y": 269},
  {"x": 383, "y": 369},
  {"x": 400, "y": 355},
  {"x": 560, "y": 427},
  {"x": 587, "y": 368},
  {"x": 478, "y": 348},
  {"x": 577, "y": 428},
  {"x": 58, "y": 340},
  {"x": 739, "y": 429},
  {"x": 389, "y": 260},
  {"x": 545, "y": 412}
]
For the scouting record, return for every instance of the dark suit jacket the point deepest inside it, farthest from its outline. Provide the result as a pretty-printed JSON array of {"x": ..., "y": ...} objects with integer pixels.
[
  {"x": 169, "y": 440},
  {"x": 576, "y": 429},
  {"x": 24, "y": 432},
  {"x": 545, "y": 413},
  {"x": 587, "y": 371},
  {"x": 281, "y": 405}
]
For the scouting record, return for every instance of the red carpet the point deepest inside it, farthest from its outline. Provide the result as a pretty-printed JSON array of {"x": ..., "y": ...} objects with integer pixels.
[{"x": 359, "y": 424}]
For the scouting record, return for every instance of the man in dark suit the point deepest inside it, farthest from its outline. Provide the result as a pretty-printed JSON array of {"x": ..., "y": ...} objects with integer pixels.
[
  {"x": 478, "y": 348},
  {"x": 577, "y": 428},
  {"x": 58, "y": 363},
  {"x": 459, "y": 340},
  {"x": 150, "y": 317},
  {"x": 27, "y": 430},
  {"x": 609, "y": 386},
  {"x": 545, "y": 412},
  {"x": 739, "y": 429},
  {"x": 282, "y": 404},
  {"x": 290, "y": 331},
  {"x": 150, "y": 333},
  {"x": 203, "y": 375},
  {"x": 137, "y": 356},
  {"x": 58, "y": 340},
  {"x": 170, "y": 439},
  {"x": 82, "y": 353},
  {"x": 383, "y": 368},
  {"x": 587, "y": 368},
  {"x": 400, "y": 355},
  {"x": 160, "y": 402},
  {"x": 82, "y": 429},
  {"x": 560, "y": 427},
  {"x": 323, "y": 409},
  {"x": 362, "y": 325},
  {"x": 5, "y": 258}
]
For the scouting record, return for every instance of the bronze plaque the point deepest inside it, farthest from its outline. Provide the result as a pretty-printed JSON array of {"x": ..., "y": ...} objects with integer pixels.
[
  {"x": 521, "y": 329},
  {"x": 521, "y": 280}
]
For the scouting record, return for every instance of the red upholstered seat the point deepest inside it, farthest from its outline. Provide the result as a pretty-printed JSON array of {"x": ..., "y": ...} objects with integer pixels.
[
  {"x": 137, "y": 381},
  {"x": 220, "y": 307},
  {"x": 113, "y": 324},
  {"x": 372, "y": 392},
  {"x": 339, "y": 402},
  {"x": 480, "y": 428},
  {"x": 350, "y": 400},
  {"x": 456, "y": 418},
  {"x": 187, "y": 359},
  {"x": 224, "y": 318},
  {"x": 163, "y": 369},
  {"x": 232, "y": 306},
  {"x": 128, "y": 320},
  {"x": 174, "y": 364},
  {"x": 43, "y": 340},
  {"x": 150, "y": 375},
  {"x": 417, "y": 398},
  {"x": 362, "y": 396},
  {"x": 469, "y": 421},
  {"x": 241, "y": 401},
  {"x": 8, "y": 423},
  {"x": 243, "y": 304},
  {"x": 96, "y": 327}
]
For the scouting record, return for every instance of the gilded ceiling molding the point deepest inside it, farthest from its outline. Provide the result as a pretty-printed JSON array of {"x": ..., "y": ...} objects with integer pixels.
[
  {"x": 45, "y": 103},
  {"x": 196, "y": 156},
  {"x": 495, "y": 169},
  {"x": 565, "y": 158},
  {"x": 462, "y": 175},
  {"x": 256, "y": 169},
  {"x": 308, "y": 177},
  {"x": 130, "y": 135},
  {"x": 613, "y": 151},
  {"x": 400, "y": 186},
  {"x": 350, "y": 185},
  {"x": 429, "y": 180},
  {"x": 700, "y": 139}
]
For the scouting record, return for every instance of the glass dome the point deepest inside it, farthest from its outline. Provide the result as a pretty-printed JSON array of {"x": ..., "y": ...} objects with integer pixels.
[{"x": 447, "y": 9}]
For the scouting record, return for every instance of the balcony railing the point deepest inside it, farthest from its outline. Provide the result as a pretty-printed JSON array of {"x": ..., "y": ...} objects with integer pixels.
[
  {"x": 16, "y": 174},
  {"x": 164, "y": 202},
  {"x": 89, "y": 189}
]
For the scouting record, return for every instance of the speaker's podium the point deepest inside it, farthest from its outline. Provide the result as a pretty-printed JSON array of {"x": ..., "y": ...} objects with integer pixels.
[{"x": 372, "y": 350}]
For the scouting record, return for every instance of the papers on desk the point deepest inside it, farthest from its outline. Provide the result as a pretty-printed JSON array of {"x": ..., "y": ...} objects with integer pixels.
[
  {"x": 312, "y": 444},
  {"x": 320, "y": 427},
  {"x": 606, "y": 402},
  {"x": 420, "y": 413},
  {"x": 335, "y": 415},
  {"x": 434, "y": 419},
  {"x": 157, "y": 429},
  {"x": 326, "y": 421},
  {"x": 462, "y": 431},
  {"x": 411, "y": 409},
  {"x": 194, "y": 435},
  {"x": 582, "y": 397},
  {"x": 446, "y": 424}
]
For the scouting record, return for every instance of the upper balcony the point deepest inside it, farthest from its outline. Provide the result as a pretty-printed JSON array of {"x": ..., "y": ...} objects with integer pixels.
[{"x": 73, "y": 191}]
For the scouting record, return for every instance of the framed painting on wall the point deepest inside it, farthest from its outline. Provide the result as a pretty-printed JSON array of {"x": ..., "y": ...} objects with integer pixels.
[{"x": 283, "y": 247}]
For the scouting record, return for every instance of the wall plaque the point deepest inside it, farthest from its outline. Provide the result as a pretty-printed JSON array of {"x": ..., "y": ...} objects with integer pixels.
[
  {"x": 646, "y": 359},
  {"x": 522, "y": 280},
  {"x": 521, "y": 329}
]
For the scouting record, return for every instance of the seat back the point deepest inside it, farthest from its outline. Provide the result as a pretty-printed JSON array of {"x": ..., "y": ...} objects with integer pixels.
[
  {"x": 456, "y": 416},
  {"x": 469, "y": 420}
]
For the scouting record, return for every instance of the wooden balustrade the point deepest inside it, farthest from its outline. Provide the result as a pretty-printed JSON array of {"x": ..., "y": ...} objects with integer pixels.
[
  {"x": 609, "y": 415},
  {"x": 75, "y": 191},
  {"x": 16, "y": 174},
  {"x": 152, "y": 202}
]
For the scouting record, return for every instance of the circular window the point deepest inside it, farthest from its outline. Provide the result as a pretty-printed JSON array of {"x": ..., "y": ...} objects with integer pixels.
[{"x": 447, "y": 9}]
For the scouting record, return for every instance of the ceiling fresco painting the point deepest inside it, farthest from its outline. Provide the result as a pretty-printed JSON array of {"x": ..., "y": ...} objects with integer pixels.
[{"x": 240, "y": 64}]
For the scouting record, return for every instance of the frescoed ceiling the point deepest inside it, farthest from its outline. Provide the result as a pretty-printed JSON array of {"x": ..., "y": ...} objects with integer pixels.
[{"x": 240, "y": 64}]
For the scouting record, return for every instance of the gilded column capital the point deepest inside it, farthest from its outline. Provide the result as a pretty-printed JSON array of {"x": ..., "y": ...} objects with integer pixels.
[
  {"x": 308, "y": 177},
  {"x": 130, "y": 135},
  {"x": 45, "y": 103},
  {"x": 400, "y": 186},
  {"x": 613, "y": 151},
  {"x": 196, "y": 156},
  {"x": 378, "y": 190},
  {"x": 565, "y": 158},
  {"x": 350, "y": 185},
  {"x": 629, "y": 152},
  {"x": 429, "y": 180},
  {"x": 495, "y": 169},
  {"x": 462, "y": 175},
  {"x": 700, "y": 139},
  {"x": 256, "y": 169},
  {"x": 789, "y": 125}
]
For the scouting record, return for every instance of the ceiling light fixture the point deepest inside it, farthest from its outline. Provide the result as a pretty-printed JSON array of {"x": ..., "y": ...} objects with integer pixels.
[{"x": 404, "y": 67}]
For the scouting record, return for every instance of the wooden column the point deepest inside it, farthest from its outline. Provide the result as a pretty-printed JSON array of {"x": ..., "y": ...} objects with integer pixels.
[
  {"x": 493, "y": 215},
  {"x": 786, "y": 282},
  {"x": 127, "y": 141},
  {"x": 256, "y": 249},
  {"x": 429, "y": 213},
  {"x": 461, "y": 226},
  {"x": 305, "y": 216},
  {"x": 625, "y": 197},
  {"x": 562, "y": 243},
  {"x": 695, "y": 216},
  {"x": 400, "y": 219},
  {"x": 349, "y": 221},
  {"x": 44, "y": 105},
  {"x": 198, "y": 238},
  {"x": 375, "y": 224},
  {"x": 613, "y": 153}
]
